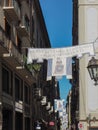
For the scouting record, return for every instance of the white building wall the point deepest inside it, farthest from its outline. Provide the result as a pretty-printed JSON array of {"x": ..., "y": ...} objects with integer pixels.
[{"x": 88, "y": 32}]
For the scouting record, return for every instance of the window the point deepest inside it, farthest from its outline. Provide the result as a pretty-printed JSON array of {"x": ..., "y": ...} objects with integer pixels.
[
  {"x": 7, "y": 80},
  {"x": 27, "y": 1},
  {"x": 41, "y": 43},
  {"x": 19, "y": 4},
  {"x": 7, "y": 29},
  {"x": 7, "y": 3},
  {"x": 27, "y": 94},
  {"x": 27, "y": 23},
  {"x": 32, "y": 25},
  {"x": 18, "y": 89},
  {"x": 27, "y": 123},
  {"x": 18, "y": 44},
  {"x": 37, "y": 42}
]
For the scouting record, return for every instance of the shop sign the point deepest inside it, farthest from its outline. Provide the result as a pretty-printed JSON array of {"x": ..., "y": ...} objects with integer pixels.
[
  {"x": 80, "y": 126},
  {"x": 51, "y": 123}
]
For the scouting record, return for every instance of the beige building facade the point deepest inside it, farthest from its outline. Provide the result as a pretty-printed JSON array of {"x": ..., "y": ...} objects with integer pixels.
[{"x": 88, "y": 91}]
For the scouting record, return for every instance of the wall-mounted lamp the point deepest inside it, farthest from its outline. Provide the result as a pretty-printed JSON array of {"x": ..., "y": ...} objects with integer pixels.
[{"x": 93, "y": 69}]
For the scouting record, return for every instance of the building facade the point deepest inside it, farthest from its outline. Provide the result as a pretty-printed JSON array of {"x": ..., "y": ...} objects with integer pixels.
[
  {"x": 22, "y": 26},
  {"x": 85, "y": 22},
  {"x": 88, "y": 17}
]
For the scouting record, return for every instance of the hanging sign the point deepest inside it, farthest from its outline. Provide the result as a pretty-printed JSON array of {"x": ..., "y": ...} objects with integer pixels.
[
  {"x": 49, "y": 69},
  {"x": 80, "y": 126},
  {"x": 59, "y": 104},
  {"x": 51, "y": 123}
]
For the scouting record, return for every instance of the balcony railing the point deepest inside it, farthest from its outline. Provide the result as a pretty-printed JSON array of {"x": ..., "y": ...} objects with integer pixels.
[
  {"x": 48, "y": 106},
  {"x": 44, "y": 100},
  {"x": 4, "y": 41},
  {"x": 16, "y": 53},
  {"x": 12, "y": 10},
  {"x": 24, "y": 28}
]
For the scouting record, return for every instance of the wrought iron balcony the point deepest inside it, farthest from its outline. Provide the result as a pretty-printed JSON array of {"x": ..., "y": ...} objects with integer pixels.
[{"x": 12, "y": 10}]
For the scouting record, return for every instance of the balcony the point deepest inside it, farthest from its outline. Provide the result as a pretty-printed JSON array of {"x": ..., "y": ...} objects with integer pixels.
[
  {"x": 24, "y": 28},
  {"x": 48, "y": 107},
  {"x": 44, "y": 101},
  {"x": 11, "y": 55},
  {"x": 51, "y": 110},
  {"x": 38, "y": 94},
  {"x": 8, "y": 48},
  {"x": 12, "y": 10},
  {"x": 4, "y": 43},
  {"x": 19, "y": 106}
]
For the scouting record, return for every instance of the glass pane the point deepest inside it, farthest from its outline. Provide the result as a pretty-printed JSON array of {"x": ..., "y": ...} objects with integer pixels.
[
  {"x": 95, "y": 72},
  {"x": 17, "y": 86},
  {"x": 5, "y": 80},
  {"x": 90, "y": 72}
]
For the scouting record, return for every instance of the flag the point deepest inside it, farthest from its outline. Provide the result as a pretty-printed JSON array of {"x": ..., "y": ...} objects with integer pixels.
[
  {"x": 58, "y": 78},
  {"x": 59, "y": 104},
  {"x": 69, "y": 68},
  {"x": 59, "y": 67},
  {"x": 49, "y": 69}
]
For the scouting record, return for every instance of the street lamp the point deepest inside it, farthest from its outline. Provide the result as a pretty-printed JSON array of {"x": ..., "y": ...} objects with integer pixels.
[{"x": 93, "y": 69}]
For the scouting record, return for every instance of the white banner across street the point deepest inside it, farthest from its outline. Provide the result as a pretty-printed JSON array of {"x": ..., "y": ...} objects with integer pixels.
[
  {"x": 51, "y": 53},
  {"x": 59, "y": 59}
]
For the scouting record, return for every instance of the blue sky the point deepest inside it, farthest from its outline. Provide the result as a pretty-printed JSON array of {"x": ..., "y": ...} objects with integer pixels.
[{"x": 58, "y": 19}]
